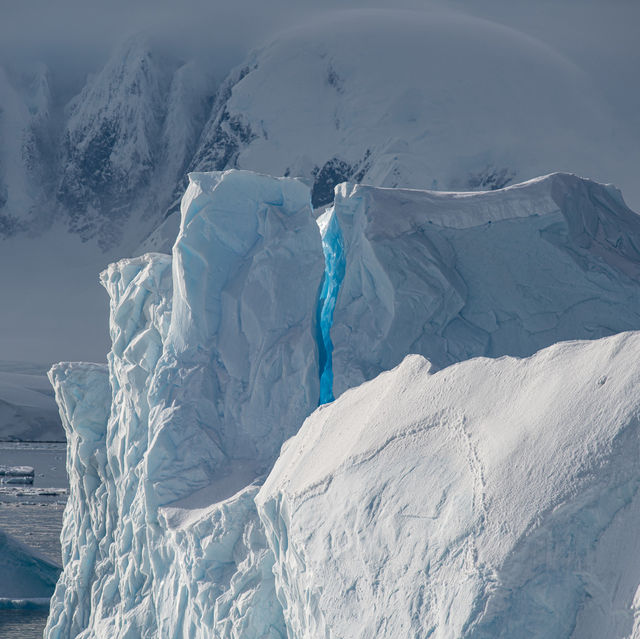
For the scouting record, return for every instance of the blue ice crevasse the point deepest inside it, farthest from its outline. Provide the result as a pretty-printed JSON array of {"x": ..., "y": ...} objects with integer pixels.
[{"x": 333, "y": 249}]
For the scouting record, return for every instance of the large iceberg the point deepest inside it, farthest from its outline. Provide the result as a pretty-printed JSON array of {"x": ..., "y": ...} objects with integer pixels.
[
  {"x": 214, "y": 364},
  {"x": 457, "y": 275},
  {"x": 497, "y": 498},
  {"x": 220, "y": 352}
]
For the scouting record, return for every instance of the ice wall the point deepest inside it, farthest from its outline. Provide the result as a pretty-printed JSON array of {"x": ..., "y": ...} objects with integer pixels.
[
  {"x": 457, "y": 275},
  {"x": 497, "y": 498},
  {"x": 214, "y": 364}
]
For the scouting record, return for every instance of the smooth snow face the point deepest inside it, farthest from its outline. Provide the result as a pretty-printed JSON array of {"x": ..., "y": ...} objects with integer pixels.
[
  {"x": 495, "y": 498},
  {"x": 240, "y": 363},
  {"x": 214, "y": 363},
  {"x": 458, "y": 275},
  {"x": 395, "y": 98}
]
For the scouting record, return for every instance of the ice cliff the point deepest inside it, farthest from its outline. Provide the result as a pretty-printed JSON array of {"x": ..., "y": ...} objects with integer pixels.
[
  {"x": 161, "y": 506},
  {"x": 221, "y": 351},
  {"x": 457, "y": 275}
]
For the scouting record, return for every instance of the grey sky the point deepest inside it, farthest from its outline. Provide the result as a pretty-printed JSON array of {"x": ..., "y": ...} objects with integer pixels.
[{"x": 75, "y": 35}]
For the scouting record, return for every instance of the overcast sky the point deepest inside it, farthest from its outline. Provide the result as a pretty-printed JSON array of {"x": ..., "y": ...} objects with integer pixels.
[{"x": 74, "y": 36}]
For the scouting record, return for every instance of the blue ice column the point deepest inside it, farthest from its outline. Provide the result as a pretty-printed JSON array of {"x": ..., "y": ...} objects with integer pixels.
[{"x": 333, "y": 249}]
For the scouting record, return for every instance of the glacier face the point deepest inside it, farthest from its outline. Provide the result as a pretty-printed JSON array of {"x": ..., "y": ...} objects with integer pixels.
[
  {"x": 391, "y": 493},
  {"x": 460, "y": 275},
  {"x": 495, "y": 498}
]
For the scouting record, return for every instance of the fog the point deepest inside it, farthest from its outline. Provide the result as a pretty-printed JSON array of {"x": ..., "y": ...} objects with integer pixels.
[{"x": 74, "y": 37}]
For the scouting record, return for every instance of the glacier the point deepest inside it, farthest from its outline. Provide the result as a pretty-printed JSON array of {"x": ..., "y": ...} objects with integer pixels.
[{"x": 178, "y": 523}]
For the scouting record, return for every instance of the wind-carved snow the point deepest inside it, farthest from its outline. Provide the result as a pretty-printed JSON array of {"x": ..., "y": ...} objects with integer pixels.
[
  {"x": 495, "y": 498},
  {"x": 213, "y": 365},
  {"x": 458, "y": 275}
]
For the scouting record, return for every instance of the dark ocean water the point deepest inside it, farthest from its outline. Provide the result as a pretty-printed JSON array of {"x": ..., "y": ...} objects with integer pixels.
[{"x": 33, "y": 514}]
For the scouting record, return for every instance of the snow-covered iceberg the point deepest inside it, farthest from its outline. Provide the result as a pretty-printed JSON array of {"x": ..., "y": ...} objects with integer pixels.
[
  {"x": 221, "y": 351},
  {"x": 457, "y": 275},
  {"x": 494, "y": 498}
]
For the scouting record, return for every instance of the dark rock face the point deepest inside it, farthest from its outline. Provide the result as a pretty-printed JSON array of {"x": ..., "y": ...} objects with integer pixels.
[{"x": 332, "y": 173}]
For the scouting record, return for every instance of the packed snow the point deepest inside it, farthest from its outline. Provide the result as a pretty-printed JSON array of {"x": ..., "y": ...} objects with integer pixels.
[{"x": 494, "y": 498}]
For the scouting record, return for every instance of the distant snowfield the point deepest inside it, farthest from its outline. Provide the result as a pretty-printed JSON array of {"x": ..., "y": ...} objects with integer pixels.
[{"x": 28, "y": 577}]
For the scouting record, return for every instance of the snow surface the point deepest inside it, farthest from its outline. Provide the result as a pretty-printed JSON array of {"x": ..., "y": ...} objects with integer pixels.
[
  {"x": 457, "y": 275},
  {"x": 495, "y": 498},
  {"x": 217, "y": 358}
]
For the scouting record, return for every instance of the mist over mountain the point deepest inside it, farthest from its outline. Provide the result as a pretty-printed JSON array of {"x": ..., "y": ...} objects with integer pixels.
[{"x": 100, "y": 123}]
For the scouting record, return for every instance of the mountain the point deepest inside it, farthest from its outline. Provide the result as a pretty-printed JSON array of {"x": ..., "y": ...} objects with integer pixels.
[
  {"x": 510, "y": 481},
  {"x": 388, "y": 98},
  {"x": 400, "y": 99}
]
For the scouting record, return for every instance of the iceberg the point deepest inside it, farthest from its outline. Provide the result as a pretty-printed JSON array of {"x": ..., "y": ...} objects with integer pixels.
[
  {"x": 28, "y": 578},
  {"x": 422, "y": 500},
  {"x": 214, "y": 364},
  {"x": 494, "y": 498},
  {"x": 452, "y": 276}
]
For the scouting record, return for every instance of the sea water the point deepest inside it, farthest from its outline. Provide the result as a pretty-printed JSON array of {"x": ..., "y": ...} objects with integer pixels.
[{"x": 33, "y": 514}]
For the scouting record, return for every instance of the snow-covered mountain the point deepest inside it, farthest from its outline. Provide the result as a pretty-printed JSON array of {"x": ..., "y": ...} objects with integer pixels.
[
  {"x": 127, "y": 139},
  {"x": 523, "y": 470},
  {"x": 400, "y": 99},
  {"x": 389, "y": 98}
]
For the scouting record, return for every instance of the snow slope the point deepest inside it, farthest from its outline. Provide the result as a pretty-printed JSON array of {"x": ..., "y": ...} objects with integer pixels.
[
  {"x": 396, "y": 98},
  {"x": 457, "y": 275},
  {"x": 494, "y": 498}
]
